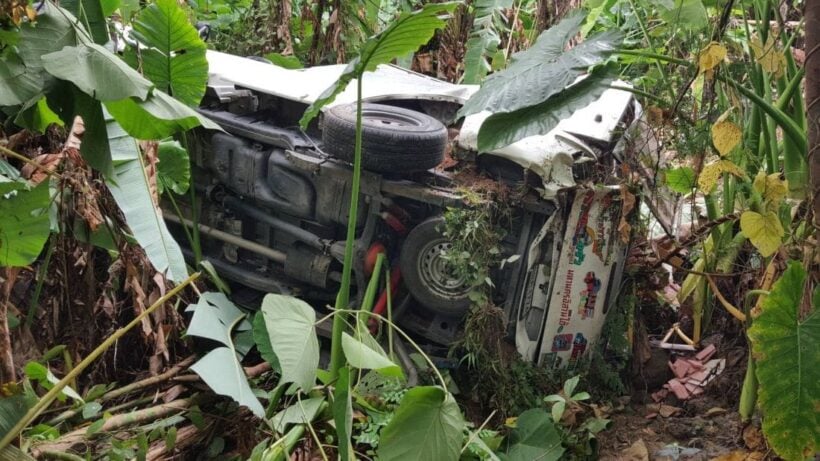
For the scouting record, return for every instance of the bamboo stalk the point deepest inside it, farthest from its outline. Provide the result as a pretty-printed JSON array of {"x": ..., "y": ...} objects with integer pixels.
[
  {"x": 113, "y": 423},
  {"x": 52, "y": 394},
  {"x": 185, "y": 436},
  {"x": 142, "y": 384}
]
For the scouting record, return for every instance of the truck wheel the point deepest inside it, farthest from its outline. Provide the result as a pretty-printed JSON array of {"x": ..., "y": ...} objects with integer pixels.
[
  {"x": 394, "y": 140},
  {"x": 426, "y": 272}
]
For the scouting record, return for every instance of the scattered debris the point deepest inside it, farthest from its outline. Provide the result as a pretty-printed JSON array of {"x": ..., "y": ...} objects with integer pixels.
[
  {"x": 692, "y": 374},
  {"x": 673, "y": 451}
]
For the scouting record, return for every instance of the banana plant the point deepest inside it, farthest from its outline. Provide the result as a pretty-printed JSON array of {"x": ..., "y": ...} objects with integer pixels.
[{"x": 58, "y": 72}]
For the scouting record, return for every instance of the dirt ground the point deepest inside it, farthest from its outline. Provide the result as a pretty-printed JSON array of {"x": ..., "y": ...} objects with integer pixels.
[{"x": 716, "y": 433}]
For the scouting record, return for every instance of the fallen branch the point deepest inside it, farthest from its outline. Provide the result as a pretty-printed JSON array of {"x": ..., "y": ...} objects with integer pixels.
[
  {"x": 697, "y": 235},
  {"x": 52, "y": 394},
  {"x": 186, "y": 436},
  {"x": 139, "y": 385},
  {"x": 65, "y": 442}
]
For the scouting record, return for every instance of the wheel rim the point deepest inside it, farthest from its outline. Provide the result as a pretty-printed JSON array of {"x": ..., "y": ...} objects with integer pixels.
[
  {"x": 388, "y": 118},
  {"x": 435, "y": 273}
]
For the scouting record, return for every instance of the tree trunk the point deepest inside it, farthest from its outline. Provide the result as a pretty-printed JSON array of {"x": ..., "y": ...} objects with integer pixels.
[{"x": 812, "y": 17}]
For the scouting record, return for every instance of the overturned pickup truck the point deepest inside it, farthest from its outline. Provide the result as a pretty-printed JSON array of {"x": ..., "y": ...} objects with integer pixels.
[{"x": 273, "y": 201}]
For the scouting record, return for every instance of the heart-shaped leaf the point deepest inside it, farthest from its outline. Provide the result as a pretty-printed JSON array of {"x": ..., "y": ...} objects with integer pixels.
[
  {"x": 291, "y": 328},
  {"x": 764, "y": 231},
  {"x": 726, "y": 136},
  {"x": 427, "y": 425},
  {"x": 787, "y": 350}
]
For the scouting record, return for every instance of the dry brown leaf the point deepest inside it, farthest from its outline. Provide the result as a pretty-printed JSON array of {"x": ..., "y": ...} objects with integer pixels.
[
  {"x": 753, "y": 438},
  {"x": 714, "y": 411},
  {"x": 133, "y": 284},
  {"x": 636, "y": 452},
  {"x": 668, "y": 410},
  {"x": 47, "y": 163},
  {"x": 149, "y": 151}
]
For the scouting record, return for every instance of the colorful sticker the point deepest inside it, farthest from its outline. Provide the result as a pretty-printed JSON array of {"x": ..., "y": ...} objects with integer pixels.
[
  {"x": 562, "y": 342},
  {"x": 589, "y": 296},
  {"x": 584, "y": 235},
  {"x": 579, "y": 346}
]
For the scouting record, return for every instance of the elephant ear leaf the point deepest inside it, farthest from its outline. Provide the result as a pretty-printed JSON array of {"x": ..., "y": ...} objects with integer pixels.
[
  {"x": 404, "y": 35},
  {"x": 174, "y": 54},
  {"x": 786, "y": 347}
]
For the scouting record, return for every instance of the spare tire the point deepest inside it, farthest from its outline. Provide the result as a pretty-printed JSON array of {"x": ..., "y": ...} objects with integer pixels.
[{"x": 394, "y": 140}]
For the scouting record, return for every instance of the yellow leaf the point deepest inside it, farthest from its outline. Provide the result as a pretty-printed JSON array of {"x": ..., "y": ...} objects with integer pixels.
[
  {"x": 711, "y": 56},
  {"x": 712, "y": 172},
  {"x": 771, "y": 187},
  {"x": 770, "y": 59},
  {"x": 764, "y": 231},
  {"x": 725, "y": 136}
]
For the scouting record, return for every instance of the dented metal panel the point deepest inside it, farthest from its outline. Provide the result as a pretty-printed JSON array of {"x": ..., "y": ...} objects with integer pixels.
[{"x": 586, "y": 277}]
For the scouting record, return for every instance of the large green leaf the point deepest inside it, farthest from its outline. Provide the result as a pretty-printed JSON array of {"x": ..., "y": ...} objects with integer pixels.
[
  {"x": 686, "y": 14},
  {"x": 484, "y": 39},
  {"x": 681, "y": 180},
  {"x": 92, "y": 14},
  {"x": 480, "y": 46},
  {"x": 290, "y": 324},
  {"x": 223, "y": 373},
  {"x": 262, "y": 341},
  {"x": 35, "y": 115},
  {"x": 17, "y": 84},
  {"x": 787, "y": 352},
  {"x": 69, "y": 101},
  {"x": 300, "y": 412},
  {"x": 215, "y": 317},
  {"x": 174, "y": 167},
  {"x": 158, "y": 117},
  {"x": 12, "y": 410},
  {"x": 24, "y": 226},
  {"x": 534, "y": 437},
  {"x": 131, "y": 190},
  {"x": 543, "y": 70},
  {"x": 368, "y": 356},
  {"x": 53, "y": 30},
  {"x": 404, "y": 35},
  {"x": 502, "y": 129},
  {"x": 427, "y": 425},
  {"x": 97, "y": 72},
  {"x": 174, "y": 57}
]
